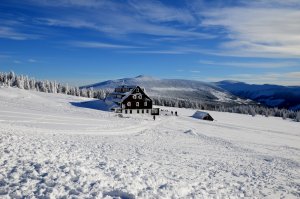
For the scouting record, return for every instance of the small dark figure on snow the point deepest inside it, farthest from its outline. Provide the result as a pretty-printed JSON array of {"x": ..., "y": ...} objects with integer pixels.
[
  {"x": 153, "y": 117},
  {"x": 172, "y": 112},
  {"x": 176, "y": 113}
]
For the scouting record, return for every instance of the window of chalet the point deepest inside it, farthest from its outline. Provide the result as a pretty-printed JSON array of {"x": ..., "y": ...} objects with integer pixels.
[
  {"x": 137, "y": 90},
  {"x": 138, "y": 111},
  {"x": 128, "y": 103},
  {"x": 145, "y": 103},
  {"x": 130, "y": 111},
  {"x": 147, "y": 111},
  {"x": 140, "y": 96},
  {"x": 137, "y": 104},
  {"x": 126, "y": 111},
  {"x": 143, "y": 111},
  {"x": 134, "y": 96}
]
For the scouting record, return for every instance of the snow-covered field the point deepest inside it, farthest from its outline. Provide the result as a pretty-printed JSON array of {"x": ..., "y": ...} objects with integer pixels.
[{"x": 53, "y": 146}]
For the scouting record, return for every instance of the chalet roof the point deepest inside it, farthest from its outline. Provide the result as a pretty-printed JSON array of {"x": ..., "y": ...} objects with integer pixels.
[
  {"x": 127, "y": 86},
  {"x": 119, "y": 93},
  {"x": 111, "y": 98},
  {"x": 200, "y": 114},
  {"x": 124, "y": 95}
]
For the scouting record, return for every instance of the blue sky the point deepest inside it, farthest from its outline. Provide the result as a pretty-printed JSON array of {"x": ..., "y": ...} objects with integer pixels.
[{"x": 87, "y": 41}]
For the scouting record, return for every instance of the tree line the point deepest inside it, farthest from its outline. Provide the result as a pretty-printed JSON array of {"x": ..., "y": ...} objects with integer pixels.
[
  {"x": 24, "y": 82},
  {"x": 223, "y": 107}
]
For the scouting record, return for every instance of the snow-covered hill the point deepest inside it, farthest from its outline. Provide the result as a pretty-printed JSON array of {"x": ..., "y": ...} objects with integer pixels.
[
  {"x": 271, "y": 95},
  {"x": 175, "y": 89},
  {"x": 59, "y": 146}
]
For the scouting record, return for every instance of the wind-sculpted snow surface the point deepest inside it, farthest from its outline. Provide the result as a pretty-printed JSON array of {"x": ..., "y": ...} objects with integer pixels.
[{"x": 51, "y": 148}]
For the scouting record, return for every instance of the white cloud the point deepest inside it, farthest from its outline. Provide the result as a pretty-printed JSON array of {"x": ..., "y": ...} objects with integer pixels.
[
  {"x": 269, "y": 64},
  {"x": 178, "y": 51},
  {"x": 254, "y": 31},
  {"x": 32, "y": 60},
  {"x": 293, "y": 75},
  {"x": 84, "y": 44},
  {"x": 119, "y": 19},
  {"x": 114, "y": 24},
  {"x": 11, "y": 33},
  {"x": 17, "y": 62},
  {"x": 4, "y": 56},
  {"x": 261, "y": 28},
  {"x": 158, "y": 12},
  {"x": 167, "y": 52},
  {"x": 70, "y": 3}
]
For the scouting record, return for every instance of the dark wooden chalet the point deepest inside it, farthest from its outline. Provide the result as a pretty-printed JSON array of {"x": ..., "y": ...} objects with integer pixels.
[{"x": 129, "y": 99}]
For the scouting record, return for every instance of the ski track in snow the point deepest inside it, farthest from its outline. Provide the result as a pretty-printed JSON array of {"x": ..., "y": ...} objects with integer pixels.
[{"x": 51, "y": 149}]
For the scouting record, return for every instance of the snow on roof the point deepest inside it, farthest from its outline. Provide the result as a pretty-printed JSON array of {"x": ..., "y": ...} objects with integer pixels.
[
  {"x": 127, "y": 94},
  {"x": 127, "y": 86},
  {"x": 119, "y": 93},
  {"x": 110, "y": 99},
  {"x": 200, "y": 114}
]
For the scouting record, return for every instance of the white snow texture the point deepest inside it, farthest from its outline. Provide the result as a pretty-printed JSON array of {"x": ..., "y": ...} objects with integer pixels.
[{"x": 54, "y": 146}]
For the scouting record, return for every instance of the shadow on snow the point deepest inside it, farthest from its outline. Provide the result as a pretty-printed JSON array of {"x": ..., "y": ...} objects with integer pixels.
[{"x": 93, "y": 104}]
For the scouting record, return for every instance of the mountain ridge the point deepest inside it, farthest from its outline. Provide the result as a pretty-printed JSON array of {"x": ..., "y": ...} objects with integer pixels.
[
  {"x": 267, "y": 94},
  {"x": 226, "y": 91},
  {"x": 175, "y": 89}
]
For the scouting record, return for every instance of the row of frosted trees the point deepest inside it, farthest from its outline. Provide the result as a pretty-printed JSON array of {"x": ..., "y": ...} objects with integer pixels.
[
  {"x": 241, "y": 109},
  {"x": 24, "y": 82}
]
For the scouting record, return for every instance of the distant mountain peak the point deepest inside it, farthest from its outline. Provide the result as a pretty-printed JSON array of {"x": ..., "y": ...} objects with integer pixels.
[
  {"x": 144, "y": 77},
  {"x": 140, "y": 76},
  {"x": 175, "y": 89}
]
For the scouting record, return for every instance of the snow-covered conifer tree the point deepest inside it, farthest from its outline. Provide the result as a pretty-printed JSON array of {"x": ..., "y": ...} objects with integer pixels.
[{"x": 298, "y": 116}]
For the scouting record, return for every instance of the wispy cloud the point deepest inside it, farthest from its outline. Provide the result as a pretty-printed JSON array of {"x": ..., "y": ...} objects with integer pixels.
[
  {"x": 17, "y": 62},
  {"x": 195, "y": 71},
  {"x": 251, "y": 64},
  {"x": 71, "y": 3},
  {"x": 188, "y": 49},
  {"x": 166, "y": 52},
  {"x": 32, "y": 60},
  {"x": 157, "y": 12},
  {"x": 4, "y": 56},
  {"x": 116, "y": 24},
  {"x": 12, "y": 33},
  {"x": 188, "y": 70},
  {"x": 119, "y": 19},
  {"x": 85, "y": 44},
  {"x": 258, "y": 29}
]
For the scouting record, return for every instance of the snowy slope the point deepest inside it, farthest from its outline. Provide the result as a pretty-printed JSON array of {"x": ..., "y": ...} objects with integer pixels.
[
  {"x": 175, "y": 88},
  {"x": 270, "y": 95},
  {"x": 54, "y": 145}
]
